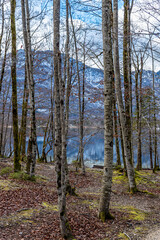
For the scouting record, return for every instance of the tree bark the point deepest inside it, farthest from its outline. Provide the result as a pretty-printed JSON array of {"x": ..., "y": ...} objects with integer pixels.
[
  {"x": 79, "y": 100},
  {"x": 24, "y": 118},
  {"x": 59, "y": 151},
  {"x": 150, "y": 139},
  {"x": 17, "y": 166},
  {"x": 125, "y": 120},
  {"x": 108, "y": 112},
  {"x": 31, "y": 156},
  {"x": 118, "y": 161}
]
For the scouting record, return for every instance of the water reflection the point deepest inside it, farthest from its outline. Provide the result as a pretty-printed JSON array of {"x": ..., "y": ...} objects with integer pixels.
[{"x": 93, "y": 151}]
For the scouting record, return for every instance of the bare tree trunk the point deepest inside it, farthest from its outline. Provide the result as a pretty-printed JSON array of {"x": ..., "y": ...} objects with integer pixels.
[
  {"x": 17, "y": 166},
  {"x": 52, "y": 126},
  {"x": 126, "y": 74},
  {"x": 3, "y": 119},
  {"x": 154, "y": 109},
  {"x": 10, "y": 142},
  {"x": 108, "y": 112},
  {"x": 139, "y": 154},
  {"x": 125, "y": 122},
  {"x": 137, "y": 94},
  {"x": 2, "y": 26},
  {"x": 79, "y": 99},
  {"x": 83, "y": 108},
  {"x": 43, "y": 157},
  {"x": 27, "y": 40},
  {"x": 129, "y": 10},
  {"x": 2, "y": 127},
  {"x": 150, "y": 140},
  {"x": 6, "y": 130},
  {"x": 122, "y": 145},
  {"x": 118, "y": 162},
  {"x": 4, "y": 59},
  {"x": 24, "y": 118},
  {"x": 67, "y": 76},
  {"x": 59, "y": 157}
]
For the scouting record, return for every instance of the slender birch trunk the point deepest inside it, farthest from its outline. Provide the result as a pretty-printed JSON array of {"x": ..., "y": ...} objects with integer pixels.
[{"x": 108, "y": 112}]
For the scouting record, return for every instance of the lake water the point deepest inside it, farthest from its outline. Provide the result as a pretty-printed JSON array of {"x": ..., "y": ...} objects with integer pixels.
[{"x": 93, "y": 151}]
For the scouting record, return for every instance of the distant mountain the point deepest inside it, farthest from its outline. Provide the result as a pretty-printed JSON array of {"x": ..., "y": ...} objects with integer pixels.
[{"x": 43, "y": 70}]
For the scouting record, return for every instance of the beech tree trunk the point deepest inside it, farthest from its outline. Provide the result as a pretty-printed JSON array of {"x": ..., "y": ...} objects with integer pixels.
[
  {"x": 154, "y": 112},
  {"x": 79, "y": 100},
  {"x": 122, "y": 144},
  {"x": 2, "y": 131},
  {"x": 2, "y": 26},
  {"x": 139, "y": 148},
  {"x": 24, "y": 118},
  {"x": 59, "y": 139},
  {"x": 31, "y": 156},
  {"x": 125, "y": 120},
  {"x": 118, "y": 161},
  {"x": 108, "y": 112},
  {"x": 67, "y": 83},
  {"x": 150, "y": 140},
  {"x": 4, "y": 59},
  {"x": 17, "y": 166}
]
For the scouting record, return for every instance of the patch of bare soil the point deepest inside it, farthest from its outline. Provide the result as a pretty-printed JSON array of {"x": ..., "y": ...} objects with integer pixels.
[
  {"x": 153, "y": 235},
  {"x": 28, "y": 210}
]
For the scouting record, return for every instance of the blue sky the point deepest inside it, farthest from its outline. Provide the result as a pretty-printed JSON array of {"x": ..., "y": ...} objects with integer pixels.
[{"x": 91, "y": 20}]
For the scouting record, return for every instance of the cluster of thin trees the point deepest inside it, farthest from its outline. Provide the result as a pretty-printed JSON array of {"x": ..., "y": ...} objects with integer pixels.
[{"x": 121, "y": 120}]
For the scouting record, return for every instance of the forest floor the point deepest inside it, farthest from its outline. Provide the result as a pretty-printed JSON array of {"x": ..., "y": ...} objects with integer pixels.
[{"x": 28, "y": 210}]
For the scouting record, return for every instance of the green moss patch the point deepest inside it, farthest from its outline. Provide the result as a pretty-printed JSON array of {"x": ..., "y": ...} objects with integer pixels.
[
  {"x": 7, "y": 185},
  {"x": 50, "y": 207},
  {"x": 118, "y": 178},
  {"x": 17, "y": 218},
  {"x": 123, "y": 236},
  {"x": 91, "y": 203},
  {"x": 6, "y": 171},
  {"x": 40, "y": 178},
  {"x": 140, "y": 230},
  {"x": 134, "y": 213},
  {"x": 138, "y": 215},
  {"x": 143, "y": 177},
  {"x": 22, "y": 176}
]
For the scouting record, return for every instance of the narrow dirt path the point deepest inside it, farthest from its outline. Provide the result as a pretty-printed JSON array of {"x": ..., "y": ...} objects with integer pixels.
[{"x": 154, "y": 235}]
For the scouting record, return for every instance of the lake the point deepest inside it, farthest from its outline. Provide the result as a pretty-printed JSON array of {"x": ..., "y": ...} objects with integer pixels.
[{"x": 93, "y": 151}]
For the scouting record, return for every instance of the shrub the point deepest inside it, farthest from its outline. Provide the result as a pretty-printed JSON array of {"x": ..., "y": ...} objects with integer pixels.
[
  {"x": 22, "y": 176},
  {"x": 6, "y": 171}
]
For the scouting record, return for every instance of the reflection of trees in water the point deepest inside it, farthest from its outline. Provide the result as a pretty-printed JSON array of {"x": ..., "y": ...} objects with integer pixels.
[{"x": 93, "y": 151}]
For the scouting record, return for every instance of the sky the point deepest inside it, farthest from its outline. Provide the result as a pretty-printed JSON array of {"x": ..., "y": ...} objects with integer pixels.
[{"x": 87, "y": 15}]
